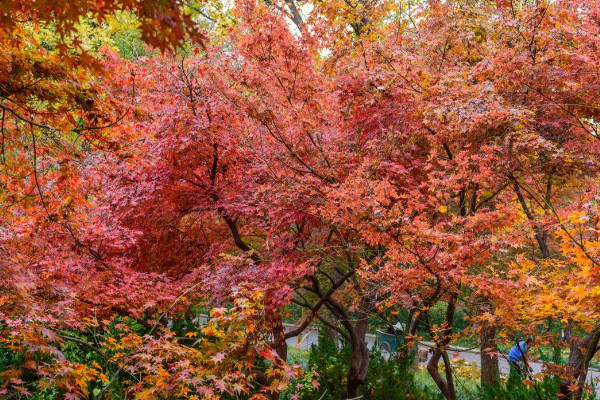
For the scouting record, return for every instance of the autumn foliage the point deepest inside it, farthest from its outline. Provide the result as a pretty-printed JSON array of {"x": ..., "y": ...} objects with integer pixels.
[{"x": 351, "y": 161}]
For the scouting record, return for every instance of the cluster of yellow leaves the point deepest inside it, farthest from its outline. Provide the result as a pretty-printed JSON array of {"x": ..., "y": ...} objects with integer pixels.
[
  {"x": 566, "y": 287},
  {"x": 461, "y": 368},
  {"x": 221, "y": 359},
  {"x": 209, "y": 361},
  {"x": 75, "y": 377}
]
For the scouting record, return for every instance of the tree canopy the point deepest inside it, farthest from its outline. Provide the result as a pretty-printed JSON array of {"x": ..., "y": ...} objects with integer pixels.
[{"x": 326, "y": 163}]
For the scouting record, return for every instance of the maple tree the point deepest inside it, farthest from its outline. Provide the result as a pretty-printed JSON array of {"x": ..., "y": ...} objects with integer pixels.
[
  {"x": 556, "y": 137},
  {"x": 55, "y": 127}
]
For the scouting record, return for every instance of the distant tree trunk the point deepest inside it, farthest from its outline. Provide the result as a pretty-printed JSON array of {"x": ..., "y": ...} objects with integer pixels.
[
  {"x": 359, "y": 359},
  {"x": 414, "y": 353},
  {"x": 490, "y": 369},
  {"x": 334, "y": 335},
  {"x": 352, "y": 328}
]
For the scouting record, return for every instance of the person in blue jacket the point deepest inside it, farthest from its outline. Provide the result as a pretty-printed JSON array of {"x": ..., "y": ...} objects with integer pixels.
[{"x": 517, "y": 355}]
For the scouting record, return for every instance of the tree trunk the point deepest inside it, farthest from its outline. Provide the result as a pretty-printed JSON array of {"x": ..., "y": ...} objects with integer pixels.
[
  {"x": 574, "y": 367},
  {"x": 359, "y": 360},
  {"x": 581, "y": 352},
  {"x": 490, "y": 370},
  {"x": 413, "y": 324},
  {"x": 446, "y": 385},
  {"x": 414, "y": 353},
  {"x": 334, "y": 335},
  {"x": 279, "y": 335},
  {"x": 280, "y": 346}
]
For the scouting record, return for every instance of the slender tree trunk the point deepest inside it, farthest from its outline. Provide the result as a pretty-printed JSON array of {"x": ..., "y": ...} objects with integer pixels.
[
  {"x": 334, "y": 335},
  {"x": 445, "y": 384},
  {"x": 490, "y": 370},
  {"x": 414, "y": 353},
  {"x": 413, "y": 323},
  {"x": 541, "y": 235},
  {"x": 359, "y": 359}
]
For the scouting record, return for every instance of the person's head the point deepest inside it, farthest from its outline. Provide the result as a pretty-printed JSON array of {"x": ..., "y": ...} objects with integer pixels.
[{"x": 529, "y": 341}]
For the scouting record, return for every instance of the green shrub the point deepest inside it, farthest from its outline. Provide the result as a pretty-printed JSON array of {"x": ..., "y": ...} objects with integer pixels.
[
  {"x": 515, "y": 389},
  {"x": 386, "y": 379}
]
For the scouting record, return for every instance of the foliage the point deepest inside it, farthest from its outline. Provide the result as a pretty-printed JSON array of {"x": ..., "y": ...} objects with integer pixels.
[
  {"x": 387, "y": 379},
  {"x": 463, "y": 369},
  {"x": 219, "y": 359},
  {"x": 356, "y": 159},
  {"x": 516, "y": 389}
]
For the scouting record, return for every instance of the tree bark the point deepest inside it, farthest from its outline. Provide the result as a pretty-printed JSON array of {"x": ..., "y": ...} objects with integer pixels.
[
  {"x": 413, "y": 324},
  {"x": 581, "y": 352},
  {"x": 414, "y": 353},
  {"x": 446, "y": 385},
  {"x": 359, "y": 359},
  {"x": 334, "y": 335},
  {"x": 279, "y": 334},
  {"x": 490, "y": 370}
]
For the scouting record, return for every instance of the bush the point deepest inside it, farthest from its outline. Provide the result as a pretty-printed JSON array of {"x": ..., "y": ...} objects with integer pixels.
[
  {"x": 386, "y": 379},
  {"x": 516, "y": 389}
]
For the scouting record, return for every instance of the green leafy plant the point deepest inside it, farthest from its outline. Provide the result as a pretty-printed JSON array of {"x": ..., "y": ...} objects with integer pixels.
[{"x": 387, "y": 379}]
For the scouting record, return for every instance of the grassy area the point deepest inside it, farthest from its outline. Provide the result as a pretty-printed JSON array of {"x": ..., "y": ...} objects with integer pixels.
[{"x": 467, "y": 389}]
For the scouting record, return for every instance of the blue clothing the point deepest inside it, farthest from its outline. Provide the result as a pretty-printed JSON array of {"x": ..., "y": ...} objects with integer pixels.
[{"x": 515, "y": 354}]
